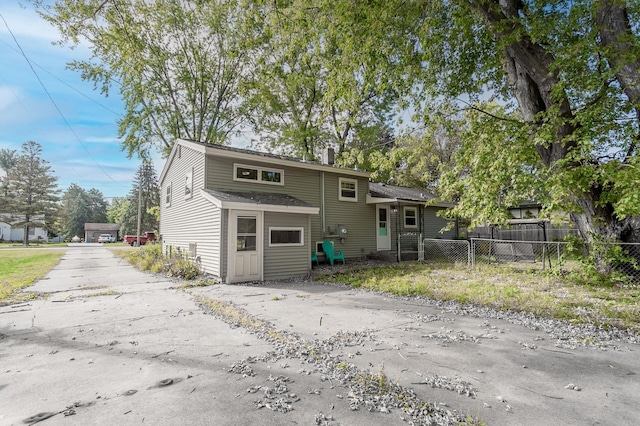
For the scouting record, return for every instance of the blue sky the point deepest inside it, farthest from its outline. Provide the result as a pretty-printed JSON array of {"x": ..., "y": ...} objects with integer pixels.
[{"x": 80, "y": 142}]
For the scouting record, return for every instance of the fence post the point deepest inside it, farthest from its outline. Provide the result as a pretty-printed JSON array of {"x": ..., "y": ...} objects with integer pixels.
[{"x": 420, "y": 248}]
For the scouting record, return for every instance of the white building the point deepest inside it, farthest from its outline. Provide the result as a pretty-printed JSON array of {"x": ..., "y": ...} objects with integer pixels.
[{"x": 7, "y": 233}]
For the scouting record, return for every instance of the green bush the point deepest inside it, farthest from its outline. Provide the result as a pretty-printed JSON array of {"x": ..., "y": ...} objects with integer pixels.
[{"x": 151, "y": 258}]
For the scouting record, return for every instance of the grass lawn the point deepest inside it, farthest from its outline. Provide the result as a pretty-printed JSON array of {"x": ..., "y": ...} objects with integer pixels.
[
  {"x": 21, "y": 268},
  {"x": 537, "y": 292}
]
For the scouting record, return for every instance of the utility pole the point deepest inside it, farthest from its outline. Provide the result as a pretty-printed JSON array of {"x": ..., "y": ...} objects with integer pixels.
[{"x": 139, "y": 211}]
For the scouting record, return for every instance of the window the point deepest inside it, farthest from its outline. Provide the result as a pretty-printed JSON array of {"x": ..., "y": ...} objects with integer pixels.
[
  {"x": 410, "y": 217},
  {"x": 348, "y": 190},
  {"x": 286, "y": 237},
  {"x": 258, "y": 174},
  {"x": 246, "y": 233},
  {"x": 168, "y": 195},
  {"x": 188, "y": 184}
]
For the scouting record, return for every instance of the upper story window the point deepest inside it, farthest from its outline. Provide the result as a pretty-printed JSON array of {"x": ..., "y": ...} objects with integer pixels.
[
  {"x": 167, "y": 199},
  {"x": 188, "y": 184},
  {"x": 266, "y": 175},
  {"x": 410, "y": 217},
  {"x": 348, "y": 189}
]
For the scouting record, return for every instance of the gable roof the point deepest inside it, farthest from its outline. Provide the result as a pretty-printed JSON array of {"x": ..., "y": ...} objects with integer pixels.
[
  {"x": 263, "y": 201},
  {"x": 390, "y": 193},
  {"x": 247, "y": 154}
]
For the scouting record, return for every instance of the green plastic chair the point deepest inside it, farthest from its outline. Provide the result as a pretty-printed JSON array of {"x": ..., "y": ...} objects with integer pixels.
[
  {"x": 332, "y": 255},
  {"x": 314, "y": 258}
]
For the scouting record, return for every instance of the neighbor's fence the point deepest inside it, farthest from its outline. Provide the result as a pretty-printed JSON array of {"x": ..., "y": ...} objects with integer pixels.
[
  {"x": 624, "y": 258},
  {"x": 518, "y": 254}
]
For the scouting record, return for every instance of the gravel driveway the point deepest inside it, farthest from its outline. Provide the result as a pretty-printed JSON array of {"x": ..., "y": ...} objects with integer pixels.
[{"x": 112, "y": 345}]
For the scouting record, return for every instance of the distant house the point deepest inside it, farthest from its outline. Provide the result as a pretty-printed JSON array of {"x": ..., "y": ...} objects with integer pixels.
[
  {"x": 8, "y": 231},
  {"x": 93, "y": 230},
  {"x": 246, "y": 215}
]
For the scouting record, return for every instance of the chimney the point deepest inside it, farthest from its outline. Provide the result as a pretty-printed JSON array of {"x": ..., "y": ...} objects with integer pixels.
[{"x": 328, "y": 155}]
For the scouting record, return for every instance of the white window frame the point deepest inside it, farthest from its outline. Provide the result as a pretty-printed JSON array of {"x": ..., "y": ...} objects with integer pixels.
[
  {"x": 348, "y": 180},
  {"x": 259, "y": 171},
  {"x": 167, "y": 196},
  {"x": 188, "y": 184},
  {"x": 413, "y": 209},
  {"x": 287, "y": 228}
]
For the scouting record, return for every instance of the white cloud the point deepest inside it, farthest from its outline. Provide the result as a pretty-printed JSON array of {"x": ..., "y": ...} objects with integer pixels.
[
  {"x": 27, "y": 23},
  {"x": 9, "y": 96}
]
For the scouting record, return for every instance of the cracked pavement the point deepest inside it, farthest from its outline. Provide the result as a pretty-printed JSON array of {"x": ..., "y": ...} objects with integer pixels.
[{"x": 113, "y": 345}]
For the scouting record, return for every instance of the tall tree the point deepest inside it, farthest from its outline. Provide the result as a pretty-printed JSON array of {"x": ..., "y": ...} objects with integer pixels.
[
  {"x": 31, "y": 190},
  {"x": 79, "y": 206},
  {"x": 8, "y": 160},
  {"x": 566, "y": 73},
  {"x": 117, "y": 209},
  {"x": 294, "y": 110},
  {"x": 146, "y": 191},
  {"x": 177, "y": 64}
]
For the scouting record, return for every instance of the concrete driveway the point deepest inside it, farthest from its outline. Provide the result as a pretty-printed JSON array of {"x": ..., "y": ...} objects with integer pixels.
[{"x": 112, "y": 345}]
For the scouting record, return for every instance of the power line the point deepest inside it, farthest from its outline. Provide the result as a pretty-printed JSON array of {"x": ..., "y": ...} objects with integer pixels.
[
  {"x": 67, "y": 84},
  {"x": 54, "y": 102}
]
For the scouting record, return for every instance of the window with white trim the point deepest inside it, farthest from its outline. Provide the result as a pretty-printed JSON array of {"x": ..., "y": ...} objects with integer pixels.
[
  {"x": 167, "y": 200},
  {"x": 258, "y": 174},
  {"x": 348, "y": 189},
  {"x": 410, "y": 217},
  {"x": 286, "y": 236},
  {"x": 188, "y": 184}
]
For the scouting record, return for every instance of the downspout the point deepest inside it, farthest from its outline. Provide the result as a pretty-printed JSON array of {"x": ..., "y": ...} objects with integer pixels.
[{"x": 322, "y": 210}]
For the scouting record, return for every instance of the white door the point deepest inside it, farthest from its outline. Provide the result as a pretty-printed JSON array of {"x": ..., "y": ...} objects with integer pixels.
[
  {"x": 383, "y": 234},
  {"x": 245, "y": 246}
]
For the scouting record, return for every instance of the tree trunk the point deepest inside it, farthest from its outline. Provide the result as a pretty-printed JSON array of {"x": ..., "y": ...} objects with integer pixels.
[{"x": 527, "y": 65}]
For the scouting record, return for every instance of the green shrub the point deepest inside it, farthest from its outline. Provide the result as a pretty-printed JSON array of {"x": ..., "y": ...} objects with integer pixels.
[{"x": 151, "y": 258}]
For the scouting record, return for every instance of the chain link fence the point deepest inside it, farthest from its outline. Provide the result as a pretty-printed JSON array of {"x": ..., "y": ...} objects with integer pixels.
[
  {"x": 623, "y": 259},
  {"x": 518, "y": 254},
  {"x": 409, "y": 247},
  {"x": 447, "y": 251}
]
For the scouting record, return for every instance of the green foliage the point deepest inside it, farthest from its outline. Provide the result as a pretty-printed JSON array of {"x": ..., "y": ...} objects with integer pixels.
[
  {"x": 178, "y": 65},
  {"x": 29, "y": 189},
  {"x": 151, "y": 258},
  {"x": 79, "y": 206},
  {"x": 145, "y": 193}
]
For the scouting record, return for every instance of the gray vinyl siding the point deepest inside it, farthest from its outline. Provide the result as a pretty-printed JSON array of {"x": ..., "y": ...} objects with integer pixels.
[
  {"x": 433, "y": 224},
  {"x": 286, "y": 262},
  {"x": 306, "y": 185},
  {"x": 190, "y": 220},
  {"x": 359, "y": 218}
]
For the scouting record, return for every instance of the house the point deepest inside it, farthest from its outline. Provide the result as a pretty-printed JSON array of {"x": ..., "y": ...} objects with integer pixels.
[
  {"x": 10, "y": 233},
  {"x": 252, "y": 216},
  {"x": 403, "y": 216},
  {"x": 93, "y": 230}
]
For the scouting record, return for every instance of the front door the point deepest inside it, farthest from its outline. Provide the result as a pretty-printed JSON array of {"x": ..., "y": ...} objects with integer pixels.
[
  {"x": 245, "y": 246},
  {"x": 383, "y": 234}
]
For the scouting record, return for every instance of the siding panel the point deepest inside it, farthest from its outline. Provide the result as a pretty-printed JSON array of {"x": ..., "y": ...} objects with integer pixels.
[
  {"x": 285, "y": 262},
  {"x": 194, "y": 219}
]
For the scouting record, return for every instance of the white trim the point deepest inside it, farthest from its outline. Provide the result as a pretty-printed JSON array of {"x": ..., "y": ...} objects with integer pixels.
[
  {"x": 168, "y": 195},
  {"x": 383, "y": 242},
  {"x": 188, "y": 184},
  {"x": 259, "y": 170},
  {"x": 355, "y": 189},
  {"x": 404, "y": 216},
  {"x": 287, "y": 228},
  {"x": 231, "y": 245},
  {"x": 258, "y": 207},
  {"x": 212, "y": 150}
]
